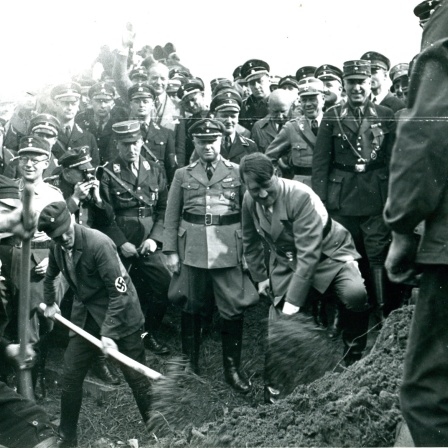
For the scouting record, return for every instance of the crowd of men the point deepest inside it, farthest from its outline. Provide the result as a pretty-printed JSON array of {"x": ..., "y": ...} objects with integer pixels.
[{"x": 146, "y": 194}]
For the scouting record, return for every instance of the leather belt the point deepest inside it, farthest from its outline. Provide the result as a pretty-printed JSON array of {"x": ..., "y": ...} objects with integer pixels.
[
  {"x": 40, "y": 244},
  {"x": 212, "y": 220},
  {"x": 138, "y": 212},
  {"x": 303, "y": 170},
  {"x": 359, "y": 167}
]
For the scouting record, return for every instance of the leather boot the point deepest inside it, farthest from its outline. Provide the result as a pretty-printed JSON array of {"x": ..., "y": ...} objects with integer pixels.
[
  {"x": 154, "y": 316},
  {"x": 191, "y": 339},
  {"x": 354, "y": 334},
  {"x": 141, "y": 389},
  {"x": 232, "y": 336},
  {"x": 101, "y": 370},
  {"x": 70, "y": 408},
  {"x": 335, "y": 329},
  {"x": 378, "y": 277}
]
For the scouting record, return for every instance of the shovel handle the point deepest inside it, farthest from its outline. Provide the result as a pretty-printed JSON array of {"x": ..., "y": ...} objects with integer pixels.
[{"x": 129, "y": 362}]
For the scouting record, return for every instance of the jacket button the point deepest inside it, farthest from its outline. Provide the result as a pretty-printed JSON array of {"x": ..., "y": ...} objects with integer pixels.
[{"x": 35, "y": 423}]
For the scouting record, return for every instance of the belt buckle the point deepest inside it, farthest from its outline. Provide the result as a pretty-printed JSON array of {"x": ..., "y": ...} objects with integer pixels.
[
  {"x": 360, "y": 167},
  {"x": 208, "y": 219}
]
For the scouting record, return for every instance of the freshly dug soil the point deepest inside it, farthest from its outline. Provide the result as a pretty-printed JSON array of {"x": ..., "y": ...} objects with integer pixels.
[{"x": 357, "y": 407}]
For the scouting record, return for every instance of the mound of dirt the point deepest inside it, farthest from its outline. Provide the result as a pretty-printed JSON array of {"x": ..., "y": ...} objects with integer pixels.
[{"x": 356, "y": 407}]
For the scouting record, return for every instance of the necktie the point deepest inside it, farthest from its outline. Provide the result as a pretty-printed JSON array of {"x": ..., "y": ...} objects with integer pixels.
[
  {"x": 68, "y": 132},
  {"x": 374, "y": 100},
  {"x": 134, "y": 170},
  {"x": 228, "y": 143},
  {"x": 268, "y": 214},
  {"x": 314, "y": 126},
  {"x": 209, "y": 170},
  {"x": 279, "y": 126},
  {"x": 358, "y": 114}
]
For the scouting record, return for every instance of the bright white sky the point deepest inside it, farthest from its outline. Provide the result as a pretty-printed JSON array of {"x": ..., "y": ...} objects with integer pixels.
[{"x": 46, "y": 41}]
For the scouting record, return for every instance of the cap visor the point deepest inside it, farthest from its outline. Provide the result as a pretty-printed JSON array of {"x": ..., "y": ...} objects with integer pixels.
[
  {"x": 141, "y": 95},
  {"x": 129, "y": 139},
  {"x": 103, "y": 97},
  {"x": 257, "y": 75},
  {"x": 356, "y": 76},
  {"x": 70, "y": 97},
  {"x": 33, "y": 151}
]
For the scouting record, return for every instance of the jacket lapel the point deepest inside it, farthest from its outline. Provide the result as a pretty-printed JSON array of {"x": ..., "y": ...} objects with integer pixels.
[
  {"x": 348, "y": 120},
  {"x": 198, "y": 172},
  {"x": 143, "y": 173},
  {"x": 237, "y": 148},
  {"x": 369, "y": 114},
  {"x": 77, "y": 249},
  {"x": 305, "y": 127},
  {"x": 125, "y": 172},
  {"x": 221, "y": 172},
  {"x": 279, "y": 214}
]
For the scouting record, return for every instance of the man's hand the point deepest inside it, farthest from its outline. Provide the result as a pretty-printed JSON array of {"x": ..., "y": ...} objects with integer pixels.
[
  {"x": 148, "y": 246},
  {"x": 81, "y": 191},
  {"x": 263, "y": 287},
  {"x": 51, "y": 310},
  {"x": 128, "y": 250},
  {"x": 12, "y": 351},
  {"x": 289, "y": 308},
  {"x": 108, "y": 343},
  {"x": 128, "y": 37},
  {"x": 400, "y": 261},
  {"x": 95, "y": 189},
  {"x": 14, "y": 222},
  {"x": 41, "y": 268},
  {"x": 173, "y": 262}
]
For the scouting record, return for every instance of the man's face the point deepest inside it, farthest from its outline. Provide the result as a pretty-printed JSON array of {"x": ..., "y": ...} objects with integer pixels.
[
  {"x": 207, "y": 151},
  {"x": 32, "y": 166},
  {"x": 243, "y": 89},
  {"x": 67, "y": 109},
  {"x": 379, "y": 77},
  {"x": 130, "y": 151},
  {"x": 229, "y": 119},
  {"x": 51, "y": 139},
  {"x": 263, "y": 193},
  {"x": 332, "y": 91},
  {"x": 141, "y": 107},
  {"x": 67, "y": 239},
  {"x": 312, "y": 105},
  {"x": 260, "y": 87},
  {"x": 358, "y": 90},
  {"x": 158, "y": 78},
  {"x": 194, "y": 103},
  {"x": 102, "y": 107},
  {"x": 401, "y": 87},
  {"x": 279, "y": 110}
]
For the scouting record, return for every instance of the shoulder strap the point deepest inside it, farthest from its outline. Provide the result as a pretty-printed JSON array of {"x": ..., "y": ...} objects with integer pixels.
[
  {"x": 150, "y": 153},
  {"x": 120, "y": 182}
]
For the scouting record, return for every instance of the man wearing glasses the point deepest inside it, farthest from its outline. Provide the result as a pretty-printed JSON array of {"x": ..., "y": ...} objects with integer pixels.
[{"x": 34, "y": 158}]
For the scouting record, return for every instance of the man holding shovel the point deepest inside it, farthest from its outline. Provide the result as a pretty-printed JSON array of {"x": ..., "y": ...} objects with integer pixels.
[
  {"x": 106, "y": 305},
  {"x": 310, "y": 253}
]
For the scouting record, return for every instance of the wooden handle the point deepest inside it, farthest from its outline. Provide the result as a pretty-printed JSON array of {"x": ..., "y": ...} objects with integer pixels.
[{"x": 129, "y": 362}]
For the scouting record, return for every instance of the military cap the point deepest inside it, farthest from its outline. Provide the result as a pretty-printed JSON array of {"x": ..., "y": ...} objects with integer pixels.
[
  {"x": 178, "y": 72},
  {"x": 139, "y": 73},
  {"x": 377, "y": 60},
  {"x": 274, "y": 80},
  {"x": 76, "y": 158},
  {"x": 45, "y": 123},
  {"x": 237, "y": 74},
  {"x": 399, "y": 70},
  {"x": 207, "y": 129},
  {"x": 357, "y": 69},
  {"x": 141, "y": 90},
  {"x": 229, "y": 100},
  {"x": 310, "y": 86},
  {"x": 102, "y": 91},
  {"x": 254, "y": 69},
  {"x": 191, "y": 86},
  {"x": 328, "y": 72},
  {"x": 173, "y": 85},
  {"x": 424, "y": 10},
  {"x": 54, "y": 219},
  {"x": 36, "y": 145},
  {"x": 127, "y": 131},
  {"x": 288, "y": 80},
  {"x": 216, "y": 81},
  {"x": 70, "y": 91},
  {"x": 306, "y": 71}
]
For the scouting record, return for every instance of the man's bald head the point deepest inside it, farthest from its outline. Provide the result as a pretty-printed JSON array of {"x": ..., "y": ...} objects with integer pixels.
[{"x": 279, "y": 104}]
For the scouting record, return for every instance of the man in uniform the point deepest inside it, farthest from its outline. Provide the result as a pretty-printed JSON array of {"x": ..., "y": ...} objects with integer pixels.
[
  {"x": 265, "y": 130},
  {"x": 310, "y": 253},
  {"x": 297, "y": 138},
  {"x": 350, "y": 170},
  {"x": 399, "y": 75},
  {"x": 226, "y": 109},
  {"x": 202, "y": 243},
  {"x": 380, "y": 66},
  {"x": 66, "y": 100},
  {"x": 99, "y": 119},
  {"x": 331, "y": 76},
  {"x": 106, "y": 306},
  {"x": 159, "y": 145},
  {"x": 256, "y": 73},
  {"x": 136, "y": 190},
  {"x": 418, "y": 192}
]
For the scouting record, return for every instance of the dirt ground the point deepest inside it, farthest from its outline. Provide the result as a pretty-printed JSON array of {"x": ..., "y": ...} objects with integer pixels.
[{"x": 353, "y": 407}]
